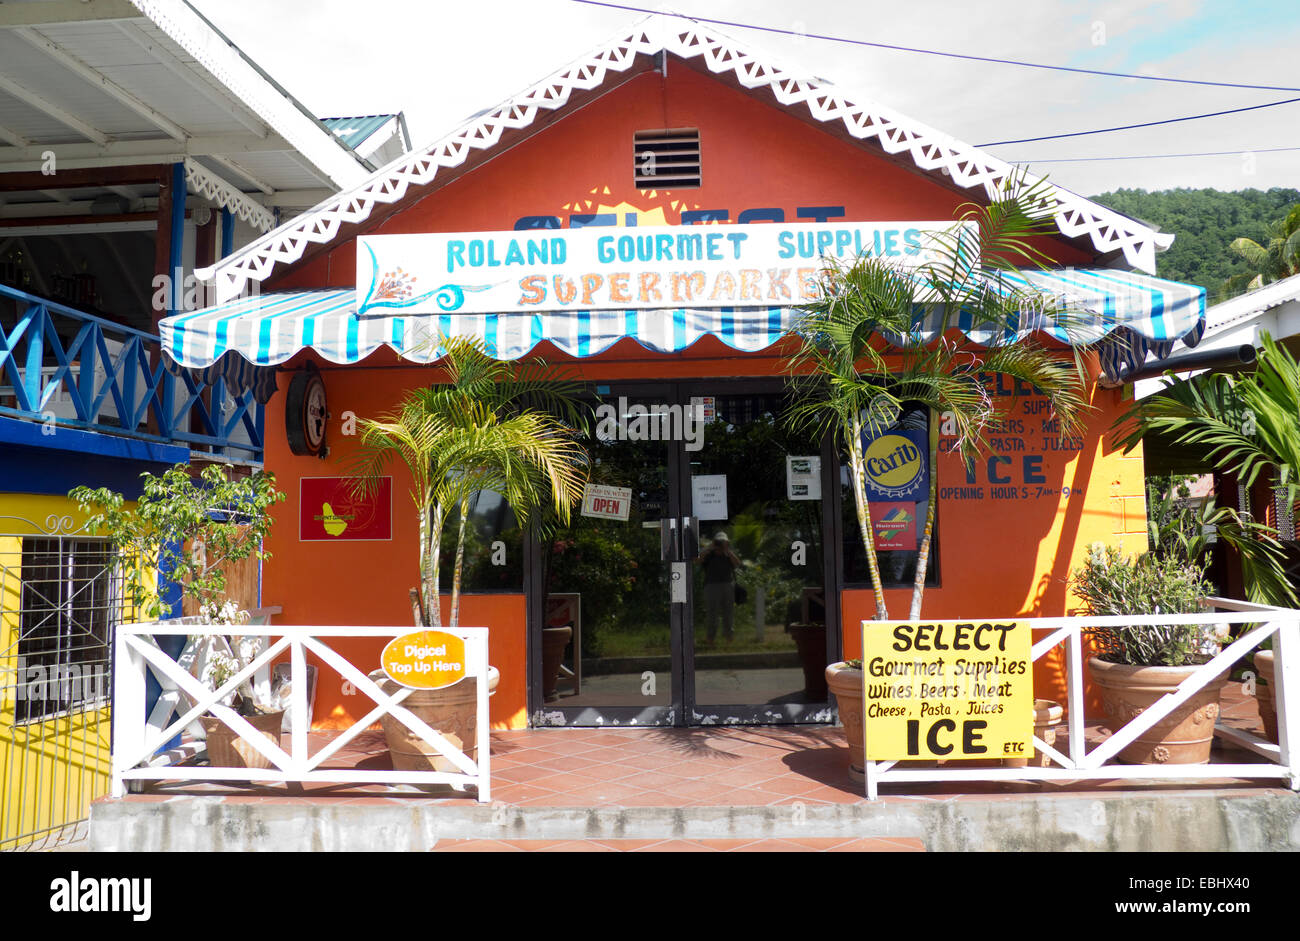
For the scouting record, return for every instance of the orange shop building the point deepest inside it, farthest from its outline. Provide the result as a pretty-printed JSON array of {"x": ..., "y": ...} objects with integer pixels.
[{"x": 670, "y": 125}]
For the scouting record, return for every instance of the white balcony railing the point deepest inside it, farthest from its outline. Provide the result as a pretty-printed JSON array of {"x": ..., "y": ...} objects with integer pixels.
[
  {"x": 138, "y": 737},
  {"x": 1078, "y": 764}
]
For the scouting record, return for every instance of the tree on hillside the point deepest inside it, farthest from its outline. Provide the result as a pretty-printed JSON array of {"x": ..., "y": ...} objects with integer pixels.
[
  {"x": 1277, "y": 258},
  {"x": 1205, "y": 222}
]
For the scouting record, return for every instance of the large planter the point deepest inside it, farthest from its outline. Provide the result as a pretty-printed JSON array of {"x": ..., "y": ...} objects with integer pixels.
[
  {"x": 1181, "y": 738},
  {"x": 1266, "y": 693},
  {"x": 810, "y": 640},
  {"x": 845, "y": 682},
  {"x": 450, "y": 711},
  {"x": 1047, "y": 716},
  {"x": 226, "y": 749},
  {"x": 554, "y": 642}
]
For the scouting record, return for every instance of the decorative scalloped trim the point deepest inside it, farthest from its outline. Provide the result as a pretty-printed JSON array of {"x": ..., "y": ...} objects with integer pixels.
[
  {"x": 216, "y": 190},
  {"x": 864, "y": 119}
]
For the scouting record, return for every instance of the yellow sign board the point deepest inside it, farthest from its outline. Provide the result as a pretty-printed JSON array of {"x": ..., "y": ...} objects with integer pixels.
[
  {"x": 425, "y": 659},
  {"x": 947, "y": 689}
]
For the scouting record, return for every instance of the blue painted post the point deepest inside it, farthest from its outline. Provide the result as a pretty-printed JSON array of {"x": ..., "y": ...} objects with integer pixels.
[
  {"x": 170, "y": 644},
  {"x": 227, "y": 232},
  {"x": 171, "y": 592},
  {"x": 176, "y": 263}
]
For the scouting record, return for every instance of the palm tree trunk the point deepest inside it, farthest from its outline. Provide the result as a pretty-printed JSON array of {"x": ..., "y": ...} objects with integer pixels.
[
  {"x": 858, "y": 473},
  {"x": 460, "y": 562},
  {"x": 923, "y": 555},
  {"x": 431, "y": 565}
]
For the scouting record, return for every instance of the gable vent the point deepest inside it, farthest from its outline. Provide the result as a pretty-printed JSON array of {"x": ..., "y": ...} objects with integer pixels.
[{"x": 667, "y": 159}]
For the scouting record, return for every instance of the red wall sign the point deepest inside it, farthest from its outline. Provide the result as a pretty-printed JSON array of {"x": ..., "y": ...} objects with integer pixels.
[{"x": 328, "y": 511}]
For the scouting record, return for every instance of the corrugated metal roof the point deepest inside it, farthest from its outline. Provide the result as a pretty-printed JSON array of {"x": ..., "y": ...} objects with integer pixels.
[{"x": 356, "y": 131}]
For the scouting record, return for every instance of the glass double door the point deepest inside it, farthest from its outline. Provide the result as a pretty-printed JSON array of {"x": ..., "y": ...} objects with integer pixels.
[{"x": 691, "y": 588}]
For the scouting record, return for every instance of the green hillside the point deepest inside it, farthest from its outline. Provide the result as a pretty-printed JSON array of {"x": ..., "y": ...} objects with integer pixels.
[{"x": 1205, "y": 221}]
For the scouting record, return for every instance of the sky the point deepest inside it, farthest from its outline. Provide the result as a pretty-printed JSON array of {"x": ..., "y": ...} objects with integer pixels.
[{"x": 441, "y": 62}]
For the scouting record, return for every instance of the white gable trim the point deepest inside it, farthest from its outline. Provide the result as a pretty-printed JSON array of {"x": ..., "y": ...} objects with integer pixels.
[{"x": 863, "y": 119}]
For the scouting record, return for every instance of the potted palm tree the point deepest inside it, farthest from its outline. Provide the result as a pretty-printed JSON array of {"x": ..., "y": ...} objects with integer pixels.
[
  {"x": 491, "y": 426},
  {"x": 879, "y": 340}
]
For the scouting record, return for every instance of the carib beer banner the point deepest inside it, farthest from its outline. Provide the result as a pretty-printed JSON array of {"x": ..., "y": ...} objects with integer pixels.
[
  {"x": 947, "y": 689},
  {"x": 897, "y": 483}
]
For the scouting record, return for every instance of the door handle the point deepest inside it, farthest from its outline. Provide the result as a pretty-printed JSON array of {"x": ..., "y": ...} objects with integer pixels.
[{"x": 669, "y": 544}]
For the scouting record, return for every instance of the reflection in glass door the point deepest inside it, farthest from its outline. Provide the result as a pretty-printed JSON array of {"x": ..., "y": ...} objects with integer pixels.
[
  {"x": 610, "y": 636},
  {"x": 693, "y": 591},
  {"x": 758, "y": 625}
]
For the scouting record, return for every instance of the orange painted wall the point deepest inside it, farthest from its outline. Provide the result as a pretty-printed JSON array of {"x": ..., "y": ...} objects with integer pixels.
[
  {"x": 752, "y": 156},
  {"x": 996, "y": 558}
]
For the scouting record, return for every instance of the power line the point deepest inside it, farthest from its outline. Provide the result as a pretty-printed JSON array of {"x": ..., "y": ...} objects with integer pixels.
[
  {"x": 1130, "y": 127},
  {"x": 947, "y": 55},
  {"x": 1208, "y": 153}
]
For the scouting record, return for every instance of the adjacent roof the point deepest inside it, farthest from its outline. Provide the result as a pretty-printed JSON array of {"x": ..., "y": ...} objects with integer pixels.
[
  {"x": 149, "y": 82},
  {"x": 356, "y": 131},
  {"x": 1130, "y": 313},
  {"x": 846, "y": 114}
]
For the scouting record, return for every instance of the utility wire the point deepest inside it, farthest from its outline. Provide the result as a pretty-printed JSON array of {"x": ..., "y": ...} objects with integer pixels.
[
  {"x": 1130, "y": 127},
  {"x": 947, "y": 55},
  {"x": 1209, "y": 153}
]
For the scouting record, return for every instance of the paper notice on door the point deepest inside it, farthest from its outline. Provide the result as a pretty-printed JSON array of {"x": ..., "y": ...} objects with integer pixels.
[
  {"x": 803, "y": 478},
  {"x": 709, "y": 496},
  {"x": 607, "y": 503}
]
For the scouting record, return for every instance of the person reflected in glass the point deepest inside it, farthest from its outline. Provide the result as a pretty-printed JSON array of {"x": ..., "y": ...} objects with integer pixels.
[{"x": 720, "y": 564}]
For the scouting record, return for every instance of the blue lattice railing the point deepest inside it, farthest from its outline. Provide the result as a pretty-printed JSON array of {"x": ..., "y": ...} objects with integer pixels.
[{"x": 63, "y": 365}]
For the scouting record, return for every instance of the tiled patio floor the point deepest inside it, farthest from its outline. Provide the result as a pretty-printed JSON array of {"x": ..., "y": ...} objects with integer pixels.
[{"x": 733, "y": 766}]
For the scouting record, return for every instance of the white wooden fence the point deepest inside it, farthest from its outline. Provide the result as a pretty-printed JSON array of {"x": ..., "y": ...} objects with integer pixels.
[
  {"x": 1076, "y": 764},
  {"x": 138, "y": 737}
]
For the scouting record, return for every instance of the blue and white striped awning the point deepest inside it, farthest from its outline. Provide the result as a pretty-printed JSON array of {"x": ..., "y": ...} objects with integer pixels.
[{"x": 1126, "y": 314}]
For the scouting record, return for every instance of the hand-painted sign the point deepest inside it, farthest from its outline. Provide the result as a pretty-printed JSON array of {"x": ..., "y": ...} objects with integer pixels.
[
  {"x": 425, "y": 659},
  {"x": 894, "y": 525},
  {"x": 897, "y": 465},
  {"x": 329, "y": 510},
  {"x": 610, "y": 503},
  {"x": 763, "y": 265},
  {"x": 947, "y": 689}
]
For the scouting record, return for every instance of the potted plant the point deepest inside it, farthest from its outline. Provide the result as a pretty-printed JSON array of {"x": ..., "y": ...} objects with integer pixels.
[
  {"x": 1246, "y": 426},
  {"x": 491, "y": 426},
  {"x": 850, "y": 382},
  {"x": 185, "y": 529},
  {"x": 1136, "y": 666}
]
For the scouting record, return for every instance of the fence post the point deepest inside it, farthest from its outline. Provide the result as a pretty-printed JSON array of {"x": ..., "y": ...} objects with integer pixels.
[
  {"x": 1286, "y": 677},
  {"x": 128, "y": 705}
]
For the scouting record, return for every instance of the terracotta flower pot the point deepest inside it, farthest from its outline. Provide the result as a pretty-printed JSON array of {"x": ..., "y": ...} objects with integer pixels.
[
  {"x": 1047, "y": 716},
  {"x": 226, "y": 749},
  {"x": 1181, "y": 738},
  {"x": 845, "y": 682},
  {"x": 450, "y": 711},
  {"x": 1266, "y": 695}
]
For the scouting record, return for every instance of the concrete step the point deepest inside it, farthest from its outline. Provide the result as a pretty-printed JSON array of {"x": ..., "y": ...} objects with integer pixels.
[{"x": 1155, "y": 820}]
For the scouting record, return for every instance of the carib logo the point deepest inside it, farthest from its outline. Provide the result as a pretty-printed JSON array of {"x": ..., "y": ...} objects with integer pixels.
[{"x": 894, "y": 464}]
